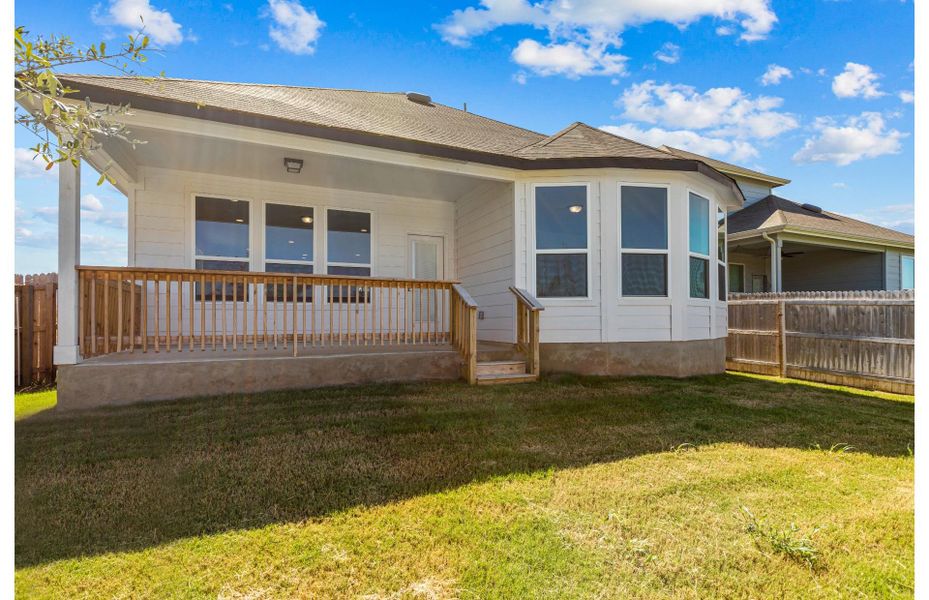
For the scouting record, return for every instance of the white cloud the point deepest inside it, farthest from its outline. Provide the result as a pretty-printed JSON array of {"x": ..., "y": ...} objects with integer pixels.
[
  {"x": 295, "y": 28},
  {"x": 775, "y": 74},
  {"x": 859, "y": 137},
  {"x": 91, "y": 203},
  {"x": 906, "y": 96},
  {"x": 140, "y": 15},
  {"x": 856, "y": 81},
  {"x": 725, "y": 112},
  {"x": 841, "y": 185},
  {"x": 581, "y": 32},
  {"x": 892, "y": 216},
  {"x": 692, "y": 141},
  {"x": 668, "y": 53},
  {"x": 29, "y": 166},
  {"x": 570, "y": 59},
  {"x": 520, "y": 78}
]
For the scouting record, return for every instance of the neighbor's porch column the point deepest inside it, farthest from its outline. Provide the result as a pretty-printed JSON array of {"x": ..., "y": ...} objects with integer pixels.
[{"x": 69, "y": 256}]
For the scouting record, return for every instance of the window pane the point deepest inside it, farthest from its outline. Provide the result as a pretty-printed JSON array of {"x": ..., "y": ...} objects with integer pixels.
[
  {"x": 349, "y": 237},
  {"x": 699, "y": 277},
  {"x": 354, "y": 271},
  {"x": 217, "y": 291},
  {"x": 721, "y": 280},
  {"x": 348, "y": 293},
  {"x": 907, "y": 273},
  {"x": 645, "y": 274},
  {"x": 561, "y": 275},
  {"x": 736, "y": 278},
  {"x": 721, "y": 234},
  {"x": 561, "y": 217},
  {"x": 288, "y": 232},
  {"x": 277, "y": 291},
  {"x": 426, "y": 260},
  {"x": 221, "y": 227},
  {"x": 699, "y": 224},
  {"x": 644, "y": 219}
]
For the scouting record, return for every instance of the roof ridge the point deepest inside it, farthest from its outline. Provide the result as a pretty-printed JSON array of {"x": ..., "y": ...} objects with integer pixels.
[{"x": 625, "y": 139}]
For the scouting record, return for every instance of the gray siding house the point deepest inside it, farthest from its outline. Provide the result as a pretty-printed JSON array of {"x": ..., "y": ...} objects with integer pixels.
[{"x": 813, "y": 249}]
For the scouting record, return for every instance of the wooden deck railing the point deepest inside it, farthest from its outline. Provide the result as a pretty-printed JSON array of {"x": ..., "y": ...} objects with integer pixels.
[
  {"x": 164, "y": 310},
  {"x": 527, "y": 327},
  {"x": 464, "y": 329}
]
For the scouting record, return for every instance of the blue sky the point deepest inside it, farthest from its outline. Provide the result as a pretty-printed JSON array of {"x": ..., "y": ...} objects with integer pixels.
[{"x": 816, "y": 91}]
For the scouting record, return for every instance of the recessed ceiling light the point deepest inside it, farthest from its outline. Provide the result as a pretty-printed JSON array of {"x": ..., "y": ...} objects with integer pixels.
[
  {"x": 307, "y": 219},
  {"x": 290, "y": 241},
  {"x": 364, "y": 230},
  {"x": 240, "y": 220},
  {"x": 575, "y": 208}
]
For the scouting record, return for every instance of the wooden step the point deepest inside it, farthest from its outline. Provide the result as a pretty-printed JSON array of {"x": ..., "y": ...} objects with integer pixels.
[
  {"x": 506, "y": 378},
  {"x": 501, "y": 367},
  {"x": 497, "y": 351}
]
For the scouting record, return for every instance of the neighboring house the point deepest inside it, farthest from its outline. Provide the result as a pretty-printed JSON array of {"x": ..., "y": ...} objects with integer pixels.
[
  {"x": 814, "y": 250},
  {"x": 401, "y": 220}
]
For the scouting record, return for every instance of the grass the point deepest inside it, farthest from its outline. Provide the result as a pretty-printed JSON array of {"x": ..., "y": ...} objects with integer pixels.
[
  {"x": 31, "y": 403},
  {"x": 571, "y": 488}
]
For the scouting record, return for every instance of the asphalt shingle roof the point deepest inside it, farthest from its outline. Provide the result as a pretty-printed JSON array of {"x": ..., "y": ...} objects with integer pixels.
[
  {"x": 726, "y": 167},
  {"x": 581, "y": 140},
  {"x": 774, "y": 212}
]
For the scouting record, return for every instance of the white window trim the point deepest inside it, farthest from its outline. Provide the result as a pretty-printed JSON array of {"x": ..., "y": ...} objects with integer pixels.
[
  {"x": 193, "y": 256},
  {"x": 559, "y": 300},
  {"x": 371, "y": 245},
  {"x": 728, "y": 278},
  {"x": 264, "y": 231},
  {"x": 620, "y": 250},
  {"x": 710, "y": 224}
]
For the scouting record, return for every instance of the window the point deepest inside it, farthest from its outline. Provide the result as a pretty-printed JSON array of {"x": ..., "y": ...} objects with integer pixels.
[
  {"x": 907, "y": 272},
  {"x": 699, "y": 214},
  {"x": 348, "y": 244},
  {"x": 221, "y": 242},
  {"x": 736, "y": 278},
  {"x": 561, "y": 241},
  {"x": 643, "y": 240},
  {"x": 721, "y": 252},
  {"x": 288, "y": 246}
]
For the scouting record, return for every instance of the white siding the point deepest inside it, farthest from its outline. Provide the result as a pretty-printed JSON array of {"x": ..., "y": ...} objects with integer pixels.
[
  {"x": 485, "y": 228},
  {"x": 163, "y": 217},
  {"x": 892, "y": 270},
  {"x": 753, "y": 191}
]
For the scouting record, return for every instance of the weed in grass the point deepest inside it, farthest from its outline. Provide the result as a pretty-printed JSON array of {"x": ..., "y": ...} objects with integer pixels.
[
  {"x": 685, "y": 447},
  {"x": 839, "y": 448},
  {"x": 640, "y": 550},
  {"x": 789, "y": 542}
]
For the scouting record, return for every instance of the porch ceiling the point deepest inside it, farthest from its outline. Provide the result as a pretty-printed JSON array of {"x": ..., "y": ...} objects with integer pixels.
[{"x": 189, "y": 152}]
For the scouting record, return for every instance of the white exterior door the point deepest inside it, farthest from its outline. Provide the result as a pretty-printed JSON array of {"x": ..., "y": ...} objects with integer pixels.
[{"x": 427, "y": 261}]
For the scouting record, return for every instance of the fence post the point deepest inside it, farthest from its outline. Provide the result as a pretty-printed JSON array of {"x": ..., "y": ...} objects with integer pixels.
[
  {"x": 27, "y": 333},
  {"x": 782, "y": 337}
]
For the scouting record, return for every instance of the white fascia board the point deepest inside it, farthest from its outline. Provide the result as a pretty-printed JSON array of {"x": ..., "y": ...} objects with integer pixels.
[{"x": 251, "y": 135}]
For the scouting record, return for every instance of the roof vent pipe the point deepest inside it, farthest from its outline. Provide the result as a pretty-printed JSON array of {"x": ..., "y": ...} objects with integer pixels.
[
  {"x": 811, "y": 208},
  {"x": 419, "y": 98}
]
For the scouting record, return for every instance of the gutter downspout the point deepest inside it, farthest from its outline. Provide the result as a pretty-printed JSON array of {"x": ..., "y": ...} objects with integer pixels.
[{"x": 775, "y": 261}]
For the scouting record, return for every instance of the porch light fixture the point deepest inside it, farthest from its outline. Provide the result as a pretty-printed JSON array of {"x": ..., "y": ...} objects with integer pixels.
[
  {"x": 575, "y": 208},
  {"x": 307, "y": 219},
  {"x": 293, "y": 165}
]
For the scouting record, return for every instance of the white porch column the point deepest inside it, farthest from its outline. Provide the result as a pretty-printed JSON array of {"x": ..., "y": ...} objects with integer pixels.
[
  {"x": 69, "y": 256},
  {"x": 780, "y": 264}
]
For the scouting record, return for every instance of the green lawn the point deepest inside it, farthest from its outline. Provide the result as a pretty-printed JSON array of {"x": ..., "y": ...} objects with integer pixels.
[
  {"x": 30, "y": 403},
  {"x": 726, "y": 486}
]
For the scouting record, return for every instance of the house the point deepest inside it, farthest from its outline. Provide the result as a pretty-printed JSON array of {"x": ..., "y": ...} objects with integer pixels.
[
  {"x": 815, "y": 250},
  {"x": 288, "y": 237}
]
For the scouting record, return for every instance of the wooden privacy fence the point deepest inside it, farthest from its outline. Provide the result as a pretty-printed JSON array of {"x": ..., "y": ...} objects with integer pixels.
[
  {"x": 172, "y": 310},
  {"x": 35, "y": 328},
  {"x": 860, "y": 339}
]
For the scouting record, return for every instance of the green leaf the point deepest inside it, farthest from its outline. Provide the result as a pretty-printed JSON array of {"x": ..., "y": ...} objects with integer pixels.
[{"x": 48, "y": 106}]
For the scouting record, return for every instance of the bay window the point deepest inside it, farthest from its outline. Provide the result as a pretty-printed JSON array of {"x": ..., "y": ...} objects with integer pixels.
[
  {"x": 221, "y": 241},
  {"x": 699, "y": 245},
  {"x": 643, "y": 240},
  {"x": 721, "y": 252},
  {"x": 288, "y": 246},
  {"x": 561, "y": 254}
]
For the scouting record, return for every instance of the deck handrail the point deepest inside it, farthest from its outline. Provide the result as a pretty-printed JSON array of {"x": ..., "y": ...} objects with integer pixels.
[
  {"x": 464, "y": 329},
  {"x": 528, "y": 308},
  {"x": 164, "y": 309}
]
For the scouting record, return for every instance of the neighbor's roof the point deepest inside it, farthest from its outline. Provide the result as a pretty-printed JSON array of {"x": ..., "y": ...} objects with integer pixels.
[
  {"x": 774, "y": 213},
  {"x": 728, "y": 168},
  {"x": 386, "y": 120}
]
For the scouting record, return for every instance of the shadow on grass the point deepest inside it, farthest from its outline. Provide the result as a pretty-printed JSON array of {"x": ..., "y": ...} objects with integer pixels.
[{"x": 138, "y": 476}]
